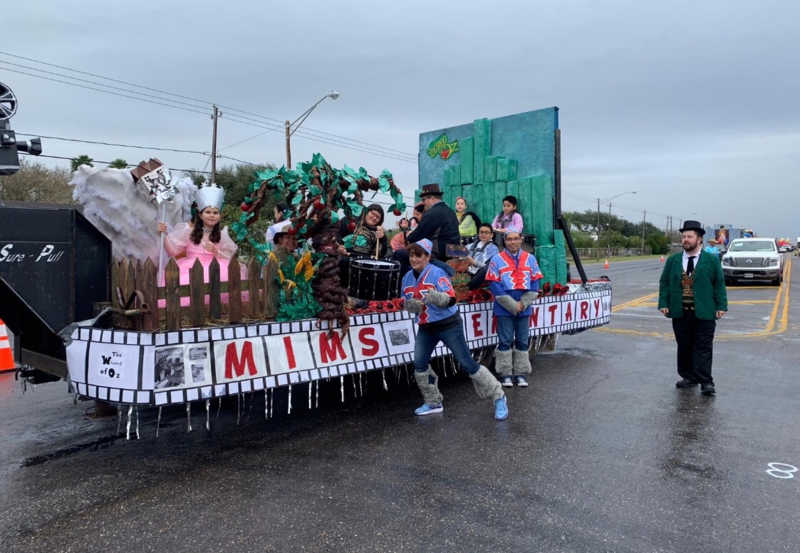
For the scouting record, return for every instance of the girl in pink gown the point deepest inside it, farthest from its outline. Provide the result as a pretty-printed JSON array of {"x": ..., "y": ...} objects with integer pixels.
[{"x": 204, "y": 241}]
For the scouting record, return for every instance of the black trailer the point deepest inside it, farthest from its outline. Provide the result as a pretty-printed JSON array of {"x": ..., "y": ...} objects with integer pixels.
[{"x": 54, "y": 266}]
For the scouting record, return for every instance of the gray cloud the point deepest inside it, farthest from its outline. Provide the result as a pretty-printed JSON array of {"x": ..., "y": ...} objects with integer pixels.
[{"x": 693, "y": 104}]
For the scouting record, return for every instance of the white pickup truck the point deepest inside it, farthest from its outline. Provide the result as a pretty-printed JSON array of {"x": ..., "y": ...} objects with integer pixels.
[{"x": 753, "y": 259}]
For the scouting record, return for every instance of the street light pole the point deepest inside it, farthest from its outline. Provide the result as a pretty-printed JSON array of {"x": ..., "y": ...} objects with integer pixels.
[
  {"x": 291, "y": 127},
  {"x": 609, "y": 219}
]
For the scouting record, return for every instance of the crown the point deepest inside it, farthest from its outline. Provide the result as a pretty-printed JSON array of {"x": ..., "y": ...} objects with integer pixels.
[{"x": 209, "y": 195}]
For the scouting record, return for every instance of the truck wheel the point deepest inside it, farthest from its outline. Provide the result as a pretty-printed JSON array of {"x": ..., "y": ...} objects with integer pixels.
[{"x": 777, "y": 281}]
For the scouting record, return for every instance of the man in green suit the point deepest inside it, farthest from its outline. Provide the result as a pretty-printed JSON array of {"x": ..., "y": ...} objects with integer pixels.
[{"x": 692, "y": 293}]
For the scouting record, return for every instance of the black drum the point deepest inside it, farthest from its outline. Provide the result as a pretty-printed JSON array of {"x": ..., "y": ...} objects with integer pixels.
[
  {"x": 374, "y": 279},
  {"x": 529, "y": 243}
]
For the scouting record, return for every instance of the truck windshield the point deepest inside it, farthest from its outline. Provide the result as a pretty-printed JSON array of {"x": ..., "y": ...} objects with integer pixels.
[{"x": 754, "y": 246}]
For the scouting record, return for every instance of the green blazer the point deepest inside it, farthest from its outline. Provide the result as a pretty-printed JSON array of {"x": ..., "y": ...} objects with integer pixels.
[{"x": 710, "y": 295}]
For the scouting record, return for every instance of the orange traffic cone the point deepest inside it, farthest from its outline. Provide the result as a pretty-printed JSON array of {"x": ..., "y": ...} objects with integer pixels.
[
  {"x": 606, "y": 265},
  {"x": 6, "y": 355},
  {"x": 662, "y": 258}
]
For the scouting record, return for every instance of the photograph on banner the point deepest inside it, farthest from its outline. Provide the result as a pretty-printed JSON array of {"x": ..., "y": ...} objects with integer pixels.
[
  {"x": 182, "y": 366},
  {"x": 400, "y": 336}
]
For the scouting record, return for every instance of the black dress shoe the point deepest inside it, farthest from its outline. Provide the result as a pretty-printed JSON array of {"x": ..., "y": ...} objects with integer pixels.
[
  {"x": 685, "y": 383},
  {"x": 707, "y": 390}
]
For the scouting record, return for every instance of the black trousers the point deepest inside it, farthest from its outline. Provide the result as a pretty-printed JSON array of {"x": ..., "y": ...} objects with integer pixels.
[{"x": 695, "y": 339}]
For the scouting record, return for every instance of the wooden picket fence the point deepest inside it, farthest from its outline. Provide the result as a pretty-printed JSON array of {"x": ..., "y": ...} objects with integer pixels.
[{"x": 136, "y": 284}]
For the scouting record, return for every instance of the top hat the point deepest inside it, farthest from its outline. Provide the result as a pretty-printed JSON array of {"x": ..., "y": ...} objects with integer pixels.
[
  {"x": 692, "y": 225},
  {"x": 431, "y": 190}
]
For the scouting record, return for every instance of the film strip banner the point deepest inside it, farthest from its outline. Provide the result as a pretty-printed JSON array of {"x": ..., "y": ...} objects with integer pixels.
[{"x": 178, "y": 367}]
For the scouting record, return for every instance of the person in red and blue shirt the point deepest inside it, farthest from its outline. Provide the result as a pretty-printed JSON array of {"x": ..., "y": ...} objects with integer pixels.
[
  {"x": 429, "y": 294},
  {"x": 513, "y": 278}
]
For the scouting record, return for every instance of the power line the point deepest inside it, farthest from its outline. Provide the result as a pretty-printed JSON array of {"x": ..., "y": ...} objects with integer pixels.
[
  {"x": 230, "y": 118},
  {"x": 114, "y": 144},
  {"x": 307, "y": 129},
  {"x": 301, "y": 133},
  {"x": 105, "y": 91}
]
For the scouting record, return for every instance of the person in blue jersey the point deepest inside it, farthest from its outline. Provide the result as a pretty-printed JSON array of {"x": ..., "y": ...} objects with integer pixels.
[
  {"x": 429, "y": 294},
  {"x": 513, "y": 278}
]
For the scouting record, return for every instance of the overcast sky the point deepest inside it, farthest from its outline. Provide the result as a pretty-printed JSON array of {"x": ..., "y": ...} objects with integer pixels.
[{"x": 695, "y": 105}]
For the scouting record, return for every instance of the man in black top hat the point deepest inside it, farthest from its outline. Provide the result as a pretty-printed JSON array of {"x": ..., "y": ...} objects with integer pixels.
[
  {"x": 692, "y": 293},
  {"x": 439, "y": 225}
]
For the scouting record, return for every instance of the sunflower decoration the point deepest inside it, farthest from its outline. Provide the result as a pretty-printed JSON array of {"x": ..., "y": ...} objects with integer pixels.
[{"x": 296, "y": 297}]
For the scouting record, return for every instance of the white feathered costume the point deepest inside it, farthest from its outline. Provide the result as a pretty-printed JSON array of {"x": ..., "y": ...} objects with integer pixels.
[{"x": 124, "y": 213}]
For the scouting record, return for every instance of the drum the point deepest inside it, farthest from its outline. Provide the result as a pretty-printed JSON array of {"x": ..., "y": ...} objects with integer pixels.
[
  {"x": 529, "y": 243},
  {"x": 374, "y": 279}
]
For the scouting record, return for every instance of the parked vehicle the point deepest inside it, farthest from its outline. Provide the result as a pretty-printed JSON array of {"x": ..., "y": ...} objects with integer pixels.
[{"x": 753, "y": 259}]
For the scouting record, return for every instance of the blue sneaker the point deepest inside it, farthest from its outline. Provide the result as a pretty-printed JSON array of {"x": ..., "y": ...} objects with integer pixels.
[
  {"x": 430, "y": 409},
  {"x": 521, "y": 381},
  {"x": 501, "y": 409},
  {"x": 506, "y": 382}
]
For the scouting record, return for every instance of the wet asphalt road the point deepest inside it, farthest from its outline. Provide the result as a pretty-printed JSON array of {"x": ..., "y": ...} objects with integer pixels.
[{"x": 602, "y": 453}]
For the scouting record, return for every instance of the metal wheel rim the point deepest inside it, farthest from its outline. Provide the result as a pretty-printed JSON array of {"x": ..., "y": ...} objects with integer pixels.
[{"x": 8, "y": 103}]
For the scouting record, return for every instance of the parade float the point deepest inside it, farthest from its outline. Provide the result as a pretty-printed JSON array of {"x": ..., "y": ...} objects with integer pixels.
[{"x": 98, "y": 312}]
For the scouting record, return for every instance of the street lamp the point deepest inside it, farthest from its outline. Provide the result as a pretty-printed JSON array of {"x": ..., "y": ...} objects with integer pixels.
[
  {"x": 609, "y": 217},
  {"x": 291, "y": 127}
]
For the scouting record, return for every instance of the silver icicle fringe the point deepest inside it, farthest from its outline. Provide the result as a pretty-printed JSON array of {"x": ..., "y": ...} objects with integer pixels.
[
  {"x": 383, "y": 376},
  {"x": 128, "y": 432},
  {"x": 188, "y": 417},
  {"x": 119, "y": 420},
  {"x": 137, "y": 422},
  {"x": 158, "y": 422},
  {"x": 270, "y": 402},
  {"x": 310, "y": 388},
  {"x": 290, "y": 398},
  {"x": 341, "y": 386},
  {"x": 219, "y": 406},
  {"x": 208, "y": 414}
]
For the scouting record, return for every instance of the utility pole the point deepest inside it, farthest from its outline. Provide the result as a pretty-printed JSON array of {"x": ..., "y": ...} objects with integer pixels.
[
  {"x": 644, "y": 220},
  {"x": 598, "y": 229},
  {"x": 288, "y": 145},
  {"x": 217, "y": 115}
]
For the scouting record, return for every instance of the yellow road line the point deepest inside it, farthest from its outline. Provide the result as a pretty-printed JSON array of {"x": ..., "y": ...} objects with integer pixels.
[
  {"x": 737, "y": 302},
  {"x": 751, "y": 288},
  {"x": 782, "y": 297},
  {"x": 633, "y": 302}
]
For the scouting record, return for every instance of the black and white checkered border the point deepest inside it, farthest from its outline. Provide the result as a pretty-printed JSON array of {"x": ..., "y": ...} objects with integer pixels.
[{"x": 184, "y": 395}]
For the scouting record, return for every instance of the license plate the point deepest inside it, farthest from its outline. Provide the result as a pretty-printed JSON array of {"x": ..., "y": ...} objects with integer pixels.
[{"x": 748, "y": 275}]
